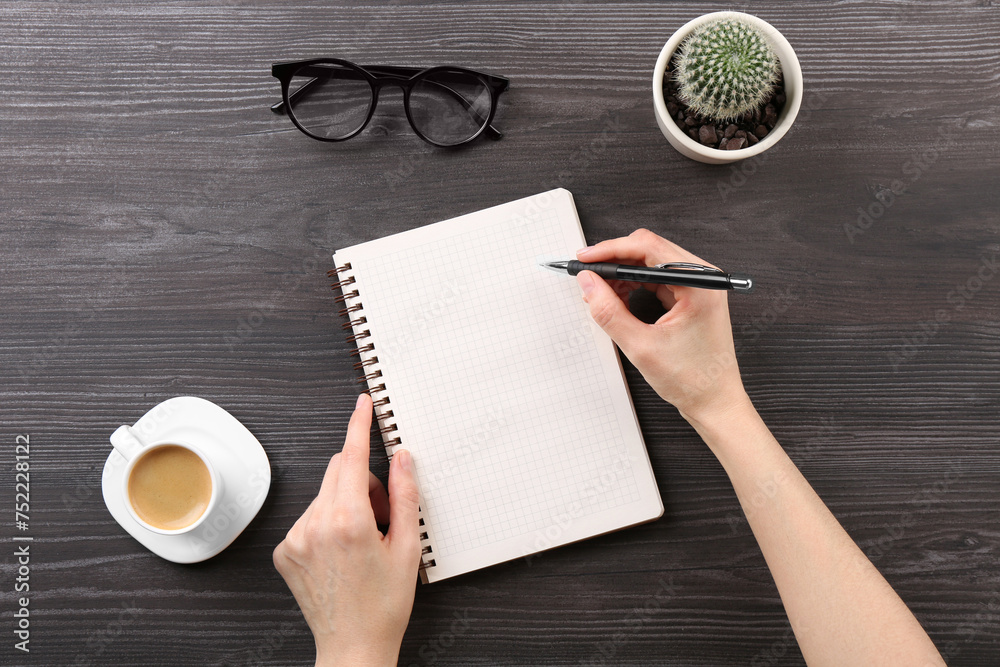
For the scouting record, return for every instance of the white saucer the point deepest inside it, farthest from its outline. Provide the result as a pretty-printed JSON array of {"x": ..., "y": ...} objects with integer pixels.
[{"x": 236, "y": 455}]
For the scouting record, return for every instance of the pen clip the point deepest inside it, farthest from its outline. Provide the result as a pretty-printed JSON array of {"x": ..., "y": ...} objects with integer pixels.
[{"x": 700, "y": 268}]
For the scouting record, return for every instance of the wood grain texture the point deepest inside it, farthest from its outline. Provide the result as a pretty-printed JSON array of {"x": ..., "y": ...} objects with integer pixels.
[{"x": 164, "y": 234}]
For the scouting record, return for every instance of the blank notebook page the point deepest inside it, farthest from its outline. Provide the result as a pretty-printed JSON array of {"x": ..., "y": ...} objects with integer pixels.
[{"x": 510, "y": 399}]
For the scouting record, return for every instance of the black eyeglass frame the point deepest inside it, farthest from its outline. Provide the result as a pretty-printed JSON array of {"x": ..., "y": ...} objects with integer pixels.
[{"x": 379, "y": 76}]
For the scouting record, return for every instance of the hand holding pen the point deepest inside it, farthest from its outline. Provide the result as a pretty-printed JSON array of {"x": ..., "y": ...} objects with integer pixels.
[
  {"x": 687, "y": 355},
  {"x": 681, "y": 274},
  {"x": 689, "y": 358}
]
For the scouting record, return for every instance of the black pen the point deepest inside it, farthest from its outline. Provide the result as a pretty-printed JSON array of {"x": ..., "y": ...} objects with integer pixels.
[{"x": 683, "y": 274}]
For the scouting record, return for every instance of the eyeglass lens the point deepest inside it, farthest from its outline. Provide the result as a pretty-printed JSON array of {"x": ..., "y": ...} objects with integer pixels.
[
  {"x": 449, "y": 107},
  {"x": 330, "y": 101}
]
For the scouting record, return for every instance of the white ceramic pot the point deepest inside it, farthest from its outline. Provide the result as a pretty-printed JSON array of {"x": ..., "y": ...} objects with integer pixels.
[{"x": 698, "y": 151}]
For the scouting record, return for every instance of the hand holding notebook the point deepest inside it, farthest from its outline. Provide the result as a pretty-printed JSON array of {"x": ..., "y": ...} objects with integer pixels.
[{"x": 353, "y": 584}]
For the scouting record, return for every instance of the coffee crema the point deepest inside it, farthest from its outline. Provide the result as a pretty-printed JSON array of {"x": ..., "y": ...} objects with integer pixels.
[{"x": 170, "y": 487}]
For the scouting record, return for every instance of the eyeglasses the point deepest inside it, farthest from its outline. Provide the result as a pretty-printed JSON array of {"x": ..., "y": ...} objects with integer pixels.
[{"x": 333, "y": 100}]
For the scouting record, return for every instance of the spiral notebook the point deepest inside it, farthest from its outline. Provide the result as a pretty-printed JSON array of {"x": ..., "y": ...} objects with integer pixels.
[{"x": 489, "y": 370}]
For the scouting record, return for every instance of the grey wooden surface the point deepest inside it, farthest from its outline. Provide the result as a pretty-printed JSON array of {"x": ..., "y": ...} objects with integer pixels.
[{"x": 164, "y": 234}]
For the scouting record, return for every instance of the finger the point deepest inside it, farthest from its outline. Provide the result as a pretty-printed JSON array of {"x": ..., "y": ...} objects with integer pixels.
[
  {"x": 644, "y": 247},
  {"x": 623, "y": 288},
  {"x": 641, "y": 246},
  {"x": 610, "y": 312},
  {"x": 352, "y": 484},
  {"x": 666, "y": 295},
  {"x": 302, "y": 520},
  {"x": 404, "y": 504},
  {"x": 328, "y": 489},
  {"x": 284, "y": 552},
  {"x": 379, "y": 499}
]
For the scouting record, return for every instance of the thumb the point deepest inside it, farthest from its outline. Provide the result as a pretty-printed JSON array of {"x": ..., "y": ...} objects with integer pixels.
[
  {"x": 609, "y": 311},
  {"x": 404, "y": 503}
]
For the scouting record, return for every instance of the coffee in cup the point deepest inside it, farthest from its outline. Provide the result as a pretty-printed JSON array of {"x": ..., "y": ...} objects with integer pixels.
[{"x": 169, "y": 487}]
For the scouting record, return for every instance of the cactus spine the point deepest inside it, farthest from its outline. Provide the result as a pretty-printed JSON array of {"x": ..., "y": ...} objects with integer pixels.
[{"x": 726, "y": 68}]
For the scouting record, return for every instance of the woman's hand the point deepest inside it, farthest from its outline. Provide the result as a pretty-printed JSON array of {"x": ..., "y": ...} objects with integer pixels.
[
  {"x": 841, "y": 609},
  {"x": 687, "y": 356},
  {"x": 355, "y": 586}
]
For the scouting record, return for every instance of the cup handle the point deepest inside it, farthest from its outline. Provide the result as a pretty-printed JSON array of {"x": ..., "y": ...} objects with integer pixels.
[{"x": 126, "y": 442}]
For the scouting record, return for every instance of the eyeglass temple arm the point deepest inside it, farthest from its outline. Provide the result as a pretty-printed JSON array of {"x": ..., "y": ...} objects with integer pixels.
[
  {"x": 279, "y": 106},
  {"x": 491, "y": 132}
]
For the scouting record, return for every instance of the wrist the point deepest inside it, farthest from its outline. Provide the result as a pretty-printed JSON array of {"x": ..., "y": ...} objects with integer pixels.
[
  {"x": 723, "y": 410},
  {"x": 731, "y": 429},
  {"x": 363, "y": 656}
]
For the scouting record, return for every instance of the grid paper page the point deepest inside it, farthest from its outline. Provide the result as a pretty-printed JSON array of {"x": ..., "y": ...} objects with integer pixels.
[{"x": 518, "y": 419}]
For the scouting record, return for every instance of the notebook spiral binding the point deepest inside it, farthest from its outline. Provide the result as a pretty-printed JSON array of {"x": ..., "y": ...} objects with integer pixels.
[{"x": 367, "y": 365}]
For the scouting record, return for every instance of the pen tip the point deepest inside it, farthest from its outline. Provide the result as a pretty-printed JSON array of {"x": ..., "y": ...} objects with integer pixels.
[{"x": 553, "y": 266}]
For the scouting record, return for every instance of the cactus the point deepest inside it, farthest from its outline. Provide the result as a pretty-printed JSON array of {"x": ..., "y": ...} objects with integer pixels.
[{"x": 726, "y": 68}]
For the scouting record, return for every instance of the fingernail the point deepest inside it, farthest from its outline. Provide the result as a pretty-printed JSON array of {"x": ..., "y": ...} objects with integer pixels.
[
  {"x": 586, "y": 282},
  {"x": 584, "y": 251},
  {"x": 404, "y": 459},
  {"x": 361, "y": 399}
]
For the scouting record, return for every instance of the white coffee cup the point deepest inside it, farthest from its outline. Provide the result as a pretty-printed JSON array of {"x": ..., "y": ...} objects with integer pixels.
[{"x": 133, "y": 447}]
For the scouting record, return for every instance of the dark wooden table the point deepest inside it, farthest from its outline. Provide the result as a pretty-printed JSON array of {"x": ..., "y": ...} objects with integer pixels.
[{"x": 164, "y": 234}]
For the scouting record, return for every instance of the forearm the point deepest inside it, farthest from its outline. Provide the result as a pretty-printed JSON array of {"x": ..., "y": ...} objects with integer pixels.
[{"x": 841, "y": 609}]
